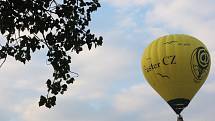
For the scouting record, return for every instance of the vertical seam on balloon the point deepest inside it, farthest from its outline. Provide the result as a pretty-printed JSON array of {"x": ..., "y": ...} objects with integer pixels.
[
  {"x": 174, "y": 37},
  {"x": 183, "y": 38},
  {"x": 149, "y": 55},
  {"x": 159, "y": 45},
  {"x": 166, "y": 39},
  {"x": 156, "y": 58}
]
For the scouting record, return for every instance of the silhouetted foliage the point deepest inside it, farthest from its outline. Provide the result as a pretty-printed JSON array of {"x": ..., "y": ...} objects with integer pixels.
[{"x": 61, "y": 26}]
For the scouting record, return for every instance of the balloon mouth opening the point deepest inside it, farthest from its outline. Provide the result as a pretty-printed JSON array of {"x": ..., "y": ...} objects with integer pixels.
[{"x": 178, "y": 104}]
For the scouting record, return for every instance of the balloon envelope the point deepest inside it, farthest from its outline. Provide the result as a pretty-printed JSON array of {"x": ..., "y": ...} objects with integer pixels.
[{"x": 176, "y": 66}]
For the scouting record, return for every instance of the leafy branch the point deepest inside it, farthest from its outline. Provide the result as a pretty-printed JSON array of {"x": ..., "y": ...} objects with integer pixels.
[{"x": 60, "y": 26}]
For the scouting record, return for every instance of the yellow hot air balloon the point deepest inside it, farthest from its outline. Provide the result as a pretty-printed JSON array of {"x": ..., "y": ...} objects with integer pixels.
[{"x": 176, "y": 66}]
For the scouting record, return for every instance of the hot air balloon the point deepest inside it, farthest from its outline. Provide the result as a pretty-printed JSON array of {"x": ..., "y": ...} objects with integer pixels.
[{"x": 176, "y": 66}]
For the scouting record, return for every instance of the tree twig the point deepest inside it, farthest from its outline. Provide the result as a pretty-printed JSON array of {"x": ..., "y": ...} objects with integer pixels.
[{"x": 3, "y": 62}]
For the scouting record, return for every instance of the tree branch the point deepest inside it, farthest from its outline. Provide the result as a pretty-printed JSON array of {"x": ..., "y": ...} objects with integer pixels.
[{"x": 3, "y": 62}]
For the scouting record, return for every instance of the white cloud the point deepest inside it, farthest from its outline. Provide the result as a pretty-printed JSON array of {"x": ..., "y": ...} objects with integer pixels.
[
  {"x": 99, "y": 69},
  {"x": 169, "y": 16},
  {"x": 209, "y": 87},
  {"x": 195, "y": 18},
  {"x": 157, "y": 31},
  {"x": 135, "y": 98},
  {"x": 126, "y": 3},
  {"x": 128, "y": 22}
]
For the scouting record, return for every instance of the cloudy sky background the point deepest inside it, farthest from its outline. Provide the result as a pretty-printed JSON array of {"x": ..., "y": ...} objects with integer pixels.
[{"x": 111, "y": 86}]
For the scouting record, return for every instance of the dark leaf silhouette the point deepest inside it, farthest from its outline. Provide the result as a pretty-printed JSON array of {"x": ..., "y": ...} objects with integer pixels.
[
  {"x": 42, "y": 101},
  {"x": 59, "y": 26},
  {"x": 71, "y": 80}
]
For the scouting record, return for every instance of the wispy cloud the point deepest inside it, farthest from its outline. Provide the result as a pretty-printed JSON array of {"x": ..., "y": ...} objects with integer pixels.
[
  {"x": 186, "y": 16},
  {"x": 127, "y": 3},
  {"x": 135, "y": 98}
]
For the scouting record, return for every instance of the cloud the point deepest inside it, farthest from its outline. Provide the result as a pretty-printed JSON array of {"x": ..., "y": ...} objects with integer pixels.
[
  {"x": 99, "y": 69},
  {"x": 117, "y": 108},
  {"x": 185, "y": 16},
  {"x": 66, "y": 110},
  {"x": 141, "y": 102},
  {"x": 134, "y": 98},
  {"x": 209, "y": 87},
  {"x": 169, "y": 16},
  {"x": 126, "y": 3}
]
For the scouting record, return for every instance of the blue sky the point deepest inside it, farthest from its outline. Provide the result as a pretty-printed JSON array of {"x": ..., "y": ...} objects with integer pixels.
[{"x": 111, "y": 86}]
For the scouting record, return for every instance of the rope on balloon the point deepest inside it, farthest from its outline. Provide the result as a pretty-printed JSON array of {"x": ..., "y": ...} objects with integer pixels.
[{"x": 180, "y": 118}]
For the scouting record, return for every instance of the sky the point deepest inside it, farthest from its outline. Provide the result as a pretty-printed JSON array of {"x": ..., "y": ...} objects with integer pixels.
[{"x": 111, "y": 86}]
